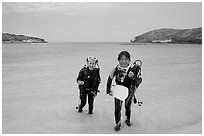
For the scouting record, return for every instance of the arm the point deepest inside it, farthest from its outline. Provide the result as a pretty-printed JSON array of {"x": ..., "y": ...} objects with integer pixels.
[
  {"x": 109, "y": 82},
  {"x": 108, "y": 87},
  {"x": 80, "y": 77}
]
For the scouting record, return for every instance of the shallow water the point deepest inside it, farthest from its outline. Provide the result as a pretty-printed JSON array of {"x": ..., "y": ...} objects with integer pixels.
[{"x": 39, "y": 90}]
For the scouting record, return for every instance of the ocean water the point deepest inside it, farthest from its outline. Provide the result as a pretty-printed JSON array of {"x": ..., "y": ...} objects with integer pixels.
[{"x": 39, "y": 90}]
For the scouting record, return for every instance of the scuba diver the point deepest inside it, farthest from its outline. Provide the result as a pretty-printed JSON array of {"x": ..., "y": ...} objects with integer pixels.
[
  {"x": 128, "y": 76},
  {"x": 88, "y": 82}
]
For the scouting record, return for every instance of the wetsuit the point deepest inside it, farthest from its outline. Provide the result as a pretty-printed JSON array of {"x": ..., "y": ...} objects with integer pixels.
[
  {"x": 91, "y": 79},
  {"x": 129, "y": 82}
]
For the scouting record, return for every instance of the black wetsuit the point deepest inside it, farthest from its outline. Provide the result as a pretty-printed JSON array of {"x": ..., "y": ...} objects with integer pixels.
[
  {"x": 91, "y": 79},
  {"x": 130, "y": 83}
]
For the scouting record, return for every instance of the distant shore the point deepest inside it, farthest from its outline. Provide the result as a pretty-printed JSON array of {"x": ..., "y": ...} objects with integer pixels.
[
  {"x": 165, "y": 35},
  {"x": 150, "y": 43},
  {"x": 19, "y": 42},
  {"x": 13, "y": 38}
]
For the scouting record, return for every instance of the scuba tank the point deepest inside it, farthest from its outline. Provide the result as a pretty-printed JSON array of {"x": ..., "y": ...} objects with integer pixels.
[{"x": 137, "y": 80}]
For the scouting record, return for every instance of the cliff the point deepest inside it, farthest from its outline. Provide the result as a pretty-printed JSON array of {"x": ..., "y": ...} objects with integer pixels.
[
  {"x": 170, "y": 36},
  {"x": 12, "y": 38}
]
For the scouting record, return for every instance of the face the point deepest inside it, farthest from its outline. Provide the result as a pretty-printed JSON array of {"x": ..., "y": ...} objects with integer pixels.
[
  {"x": 91, "y": 64},
  {"x": 124, "y": 62}
]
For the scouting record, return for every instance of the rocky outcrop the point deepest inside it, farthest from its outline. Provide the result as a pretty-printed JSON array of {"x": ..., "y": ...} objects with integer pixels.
[
  {"x": 12, "y": 38},
  {"x": 170, "y": 36}
]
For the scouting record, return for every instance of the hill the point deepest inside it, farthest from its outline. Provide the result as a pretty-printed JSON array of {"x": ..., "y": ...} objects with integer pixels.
[
  {"x": 12, "y": 38},
  {"x": 171, "y": 36}
]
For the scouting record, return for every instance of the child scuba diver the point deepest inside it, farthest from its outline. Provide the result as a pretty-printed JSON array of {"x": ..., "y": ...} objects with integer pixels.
[
  {"x": 88, "y": 82},
  {"x": 126, "y": 76}
]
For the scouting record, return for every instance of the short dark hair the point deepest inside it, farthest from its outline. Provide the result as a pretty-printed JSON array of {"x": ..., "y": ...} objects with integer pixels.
[{"x": 123, "y": 53}]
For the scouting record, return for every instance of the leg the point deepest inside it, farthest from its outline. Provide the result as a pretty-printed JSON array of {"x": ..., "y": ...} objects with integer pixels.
[
  {"x": 83, "y": 100},
  {"x": 128, "y": 110},
  {"x": 118, "y": 106},
  {"x": 90, "y": 101}
]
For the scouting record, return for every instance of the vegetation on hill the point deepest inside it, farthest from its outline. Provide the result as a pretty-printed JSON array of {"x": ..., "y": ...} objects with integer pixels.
[{"x": 170, "y": 36}]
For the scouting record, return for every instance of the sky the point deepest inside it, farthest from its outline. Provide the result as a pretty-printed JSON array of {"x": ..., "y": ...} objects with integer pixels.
[{"x": 97, "y": 21}]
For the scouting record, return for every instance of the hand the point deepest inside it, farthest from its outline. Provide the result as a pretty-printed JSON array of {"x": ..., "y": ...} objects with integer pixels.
[
  {"x": 93, "y": 92},
  {"x": 111, "y": 93},
  {"x": 80, "y": 82},
  {"x": 131, "y": 74}
]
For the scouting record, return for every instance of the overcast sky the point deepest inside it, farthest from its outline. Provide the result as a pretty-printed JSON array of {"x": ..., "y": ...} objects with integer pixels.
[{"x": 96, "y": 22}]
